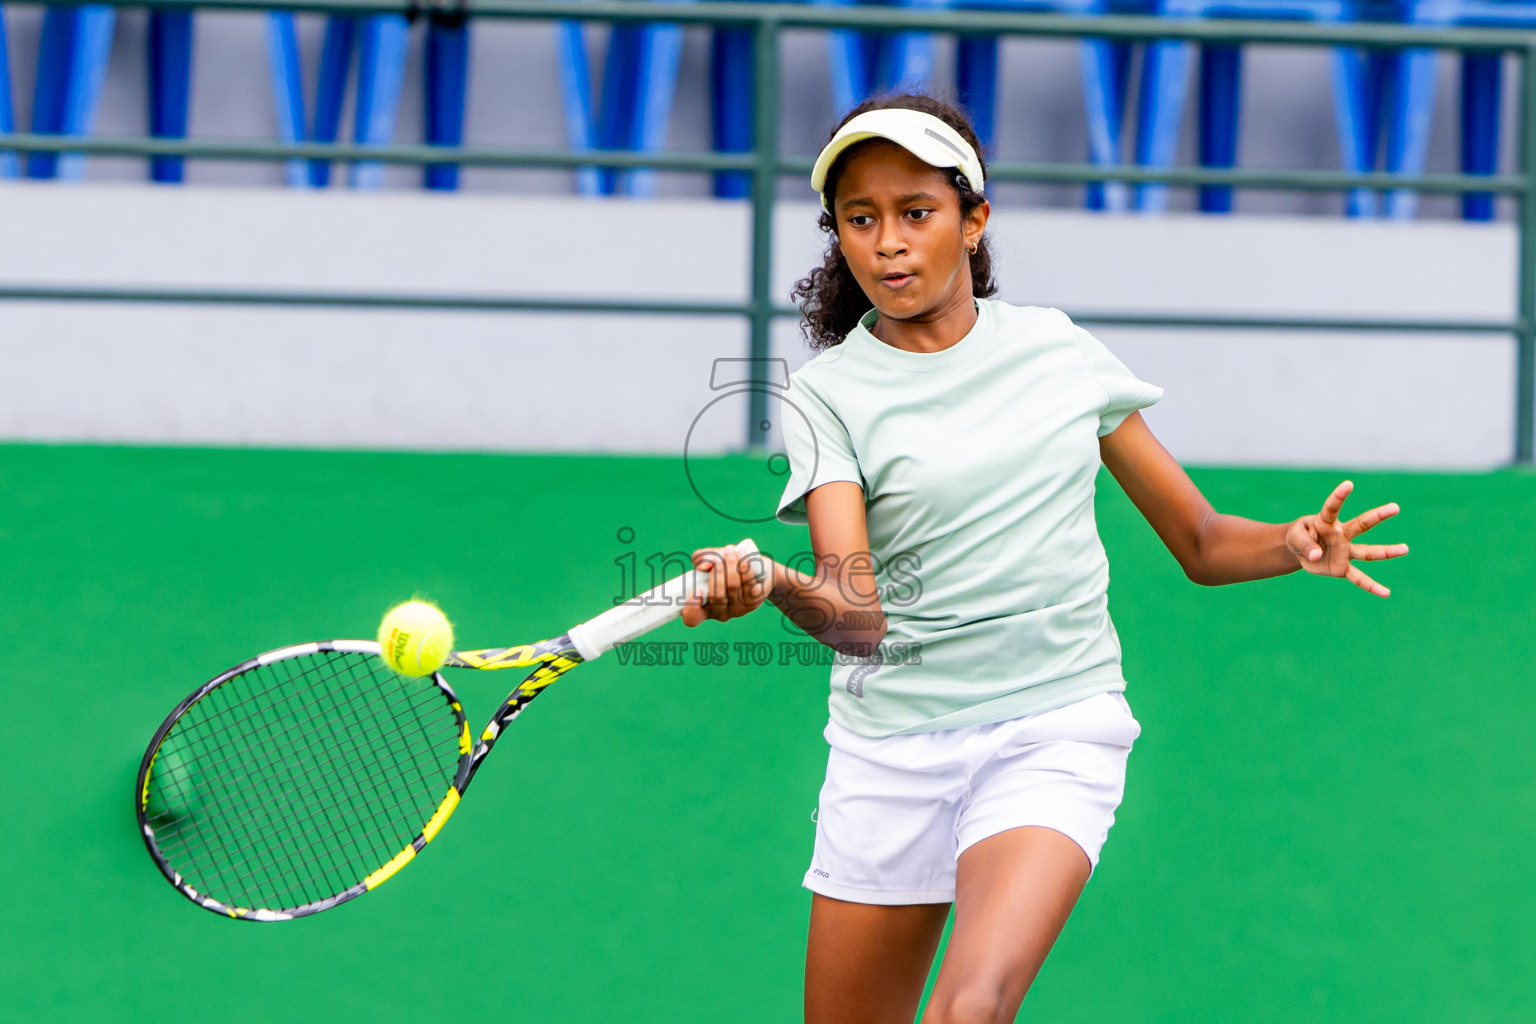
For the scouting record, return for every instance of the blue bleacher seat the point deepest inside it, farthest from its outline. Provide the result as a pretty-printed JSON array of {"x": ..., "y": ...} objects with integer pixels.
[
  {"x": 863, "y": 63},
  {"x": 867, "y": 62},
  {"x": 331, "y": 88},
  {"x": 287, "y": 89},
  {"x": 639, "y": 81},
  {"x": 170, "y": 86},
  {"x": 10, "y": 167},
  {"x": 732, "y": 67},
  {"x": 576, "y": 90},
  {"x": 638, "y": 86},
  {"x": 380, "y": 75},
  {"x": 1413, "y": 103},
  {"x": 71, "y": 67},
  {"x": 1105, "y": 65},
  {"x": 447, "y": 81},
  {"x": 1165, "y": 84}
]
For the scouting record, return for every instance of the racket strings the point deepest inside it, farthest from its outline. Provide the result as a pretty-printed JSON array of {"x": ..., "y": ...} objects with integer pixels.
[
  {"x": 295, "y": 780},
  {"x": 234, "y": 840},
  {"x": 215, "y": 765},
  {"x": 290, "y": 802},
  {"x": 206, "y": 851},
  {"x": 228, "y": 768},
  {"x": 283, "y": 687},
  {"x": 335, "y": 836},
  {"x": 358, "y": 797}
]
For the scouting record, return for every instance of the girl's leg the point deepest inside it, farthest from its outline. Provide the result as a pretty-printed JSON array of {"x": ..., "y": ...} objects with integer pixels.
[
  {"x": 868, "y": 964},
  {"x": 1013, "y": 893}
]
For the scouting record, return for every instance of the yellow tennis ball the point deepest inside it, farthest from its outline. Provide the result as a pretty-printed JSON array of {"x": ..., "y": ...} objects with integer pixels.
[{"x": 415, "y": 638}]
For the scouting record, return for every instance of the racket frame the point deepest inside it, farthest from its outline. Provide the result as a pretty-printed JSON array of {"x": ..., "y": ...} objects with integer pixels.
[{"x": 551, "y": 659}]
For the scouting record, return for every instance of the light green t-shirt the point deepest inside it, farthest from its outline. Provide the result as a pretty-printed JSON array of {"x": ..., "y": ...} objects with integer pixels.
[{"x": 978, "y": 467}]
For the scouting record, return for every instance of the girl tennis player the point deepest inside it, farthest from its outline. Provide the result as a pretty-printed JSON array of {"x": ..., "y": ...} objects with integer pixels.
[{"x": 943, "y": 447}]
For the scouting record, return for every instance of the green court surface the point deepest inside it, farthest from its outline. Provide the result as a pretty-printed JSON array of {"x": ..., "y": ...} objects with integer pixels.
[{"x": 1330, "y": 816}]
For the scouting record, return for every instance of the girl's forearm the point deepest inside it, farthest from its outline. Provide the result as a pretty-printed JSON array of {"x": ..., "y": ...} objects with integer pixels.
[
  {"x": 1231, "y": 549},
  {"x": 829, "y": 608}
]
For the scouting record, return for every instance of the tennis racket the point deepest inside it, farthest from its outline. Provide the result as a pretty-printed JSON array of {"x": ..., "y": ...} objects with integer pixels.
[{"x": 307, "y": 776}]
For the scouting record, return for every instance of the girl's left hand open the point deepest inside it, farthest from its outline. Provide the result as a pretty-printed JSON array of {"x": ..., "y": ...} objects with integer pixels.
[{"x": 1325, "y": 547}]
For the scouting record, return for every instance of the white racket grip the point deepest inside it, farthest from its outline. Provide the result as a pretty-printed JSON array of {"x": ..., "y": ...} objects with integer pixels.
[{"x": 641, "y": 613}]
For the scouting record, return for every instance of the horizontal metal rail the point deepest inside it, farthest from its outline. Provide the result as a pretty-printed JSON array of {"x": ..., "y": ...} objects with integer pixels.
[
  {"x": 811, "y": 16},
  {"x": 767, "y": 21},
  {"x": 259, "y": 149},
  {"x": 449, "y": 302},
  {"x": 1047, "y": 174},
  {"x": 366, "y": 299},
  {"x": 1299, "y": 323}
]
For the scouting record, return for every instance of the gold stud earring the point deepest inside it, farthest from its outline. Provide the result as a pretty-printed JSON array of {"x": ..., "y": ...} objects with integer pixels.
[{"x": 971, "y": 249}]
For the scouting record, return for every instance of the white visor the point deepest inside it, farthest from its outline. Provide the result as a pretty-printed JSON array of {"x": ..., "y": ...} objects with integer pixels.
[{"x": 923, "y": 135}]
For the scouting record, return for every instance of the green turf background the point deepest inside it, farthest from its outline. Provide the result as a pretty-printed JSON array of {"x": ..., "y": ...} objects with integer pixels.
[{"x": 1330, "y": 816}]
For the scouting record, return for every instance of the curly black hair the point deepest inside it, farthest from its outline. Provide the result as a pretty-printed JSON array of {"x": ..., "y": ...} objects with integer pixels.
[{"x": 831, "y": 301}]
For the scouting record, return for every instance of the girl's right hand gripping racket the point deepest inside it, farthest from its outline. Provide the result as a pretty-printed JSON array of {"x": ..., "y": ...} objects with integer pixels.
[{"x": 305, "y": 777}]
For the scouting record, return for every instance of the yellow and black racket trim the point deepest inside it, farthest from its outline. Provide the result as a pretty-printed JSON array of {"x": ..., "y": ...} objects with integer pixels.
[{"x": 550, "y": 658}]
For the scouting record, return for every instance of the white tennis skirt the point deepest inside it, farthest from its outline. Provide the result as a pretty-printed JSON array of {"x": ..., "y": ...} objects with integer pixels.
[{"x": 896, "y": 812}]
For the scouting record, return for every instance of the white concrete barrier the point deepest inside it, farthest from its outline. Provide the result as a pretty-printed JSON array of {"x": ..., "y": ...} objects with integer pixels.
[{"x": 637, "y": 383}]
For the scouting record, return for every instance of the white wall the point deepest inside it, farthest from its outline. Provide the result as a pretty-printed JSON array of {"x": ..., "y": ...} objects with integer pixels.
[{"x": 499, "y": 381}]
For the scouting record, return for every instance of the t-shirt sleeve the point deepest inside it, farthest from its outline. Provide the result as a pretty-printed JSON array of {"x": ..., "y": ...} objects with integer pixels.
[
  {"x": 1124, "y": 390},
  {"x": 818, "y": 447}
]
